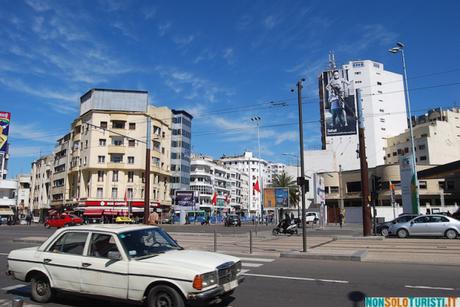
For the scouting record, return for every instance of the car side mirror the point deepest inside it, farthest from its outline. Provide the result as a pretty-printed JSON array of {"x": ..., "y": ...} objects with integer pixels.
[
  {"x": 394, "y": 222},
  {"x": 114, "y": 255}
]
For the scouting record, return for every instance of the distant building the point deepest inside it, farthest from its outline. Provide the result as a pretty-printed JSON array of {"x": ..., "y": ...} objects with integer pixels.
[
  {"x": 40, "y": 186},
  {"x": 8, "y": 190},
  {"x": 23, "y": 193},
  {"x": 181, "y": 146},
  {"x": 436, "y": 139}
]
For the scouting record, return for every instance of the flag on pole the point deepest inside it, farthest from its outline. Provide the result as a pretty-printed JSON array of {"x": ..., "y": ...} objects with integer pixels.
[
  {"x": 214, "y": 199},
  {"x": 256, "y": 186}
]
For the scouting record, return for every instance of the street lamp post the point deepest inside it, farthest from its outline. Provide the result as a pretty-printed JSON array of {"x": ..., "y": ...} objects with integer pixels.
[
  {"x": 400, "y": 48},
  {"x": 257, "y": 120}
]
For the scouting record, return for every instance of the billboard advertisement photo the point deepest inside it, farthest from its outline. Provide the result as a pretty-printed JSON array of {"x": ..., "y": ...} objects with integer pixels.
[
  {"x": 276, "y": 197},
  {"x": 4, "y": 129},
  {"x": 185, "y": 198},
  {"x": 338, "y": 103}
]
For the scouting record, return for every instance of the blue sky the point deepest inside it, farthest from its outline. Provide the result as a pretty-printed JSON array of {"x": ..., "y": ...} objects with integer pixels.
[{"x": 223, "y": 61}]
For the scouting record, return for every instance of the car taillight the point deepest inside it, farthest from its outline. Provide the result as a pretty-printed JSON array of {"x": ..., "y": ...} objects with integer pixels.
[{"x": 198, "y": 282}]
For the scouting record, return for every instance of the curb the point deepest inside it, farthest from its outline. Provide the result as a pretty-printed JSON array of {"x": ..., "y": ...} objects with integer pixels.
[
  {"x": 359, "y": 255},
  {"x": 33, "y": 241},
  {"x": 375, "y": 238}
]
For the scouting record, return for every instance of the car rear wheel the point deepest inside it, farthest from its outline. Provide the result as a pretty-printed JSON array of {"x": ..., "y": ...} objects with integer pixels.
[
  {"x": 402, "y": 233},
  {"x": 384, "y": 232},
  {"x": 451, "y": 234},
  {"x": 164, "y": 296},
  {"x": 41, "y": 289}
]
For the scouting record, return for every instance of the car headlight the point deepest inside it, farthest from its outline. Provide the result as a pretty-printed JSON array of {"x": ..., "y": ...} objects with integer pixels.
[
  {"x": 238, "y": 267},
  {"x": 205, "y": 280}
]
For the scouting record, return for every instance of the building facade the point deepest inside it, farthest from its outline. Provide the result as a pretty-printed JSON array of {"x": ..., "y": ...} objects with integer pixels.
[
  {"x": 23, "y": 194},
  {"x": 40, "y": 186},
  {"x": 383, "y": 102},
  {"x": 257, "y": 171},
  {"x": 180, "y": 150},
  {"x": 436, "y": 139}
]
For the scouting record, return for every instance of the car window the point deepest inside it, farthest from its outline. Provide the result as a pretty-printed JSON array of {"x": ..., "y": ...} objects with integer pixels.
[
  {"x": 423, "y": 219},
  {"x": 101, "y": 245},
  {"x": 444, "y": 219},
  {"x": 438, "y": 219},
  {"x": 70, "y": 243}
]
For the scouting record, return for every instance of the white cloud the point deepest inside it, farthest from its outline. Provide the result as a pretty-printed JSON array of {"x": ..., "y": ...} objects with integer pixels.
[
  {"x": 290, "y": 136},
  {"x": 229, "y": 55},
  {"x": 271, "y": 21},
  {"x": 24, "y": 151},
  {"x": 368, "y": 36},
  {"x": 31, "y": 132},
  {"x": 244, "y": 22},
  {"x": 149, "y": 12},
  {"x": 124, "y": 29},
  {"x": 164, "y": 28},
  {"x": 38, "y": 5},
  {"x": 183, "y": 41}
]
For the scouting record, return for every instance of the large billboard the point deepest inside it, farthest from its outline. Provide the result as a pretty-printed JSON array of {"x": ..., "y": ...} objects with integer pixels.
[
  {"x": 4, "y": 129},
  {"x": 276, "y": 197},
  {"x": 185, "y": 198},
  {"x": 408, "y": 185},
  {"x": 338, "y": 103}
]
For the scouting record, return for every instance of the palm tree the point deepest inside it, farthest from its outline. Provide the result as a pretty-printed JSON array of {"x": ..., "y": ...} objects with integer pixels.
[{"x": 283, "y": 180}]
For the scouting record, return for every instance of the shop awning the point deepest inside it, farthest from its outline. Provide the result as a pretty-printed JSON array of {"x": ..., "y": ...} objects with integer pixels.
[
  {"x": 6, "y": 211},
  {"x": 95, "y": 212}
]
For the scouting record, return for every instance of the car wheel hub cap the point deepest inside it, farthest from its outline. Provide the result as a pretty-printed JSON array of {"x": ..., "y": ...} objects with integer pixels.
[
  {"x": 163, "y": 300},
  {"x": 41, "y": 288}
]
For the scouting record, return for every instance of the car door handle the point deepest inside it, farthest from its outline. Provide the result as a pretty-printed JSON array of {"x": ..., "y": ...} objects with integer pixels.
[
  {"x": 85, "y": 264},
  {"x": 47, "y": 260}
]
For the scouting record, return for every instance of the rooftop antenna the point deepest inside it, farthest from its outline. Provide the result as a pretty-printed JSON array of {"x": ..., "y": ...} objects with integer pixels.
[{"x": 332, "y": 65}]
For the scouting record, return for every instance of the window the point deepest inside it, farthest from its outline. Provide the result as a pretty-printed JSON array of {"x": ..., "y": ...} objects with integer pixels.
[
  {"x": 394, "y": 153},
  {"x": 130, "y": 176},
  {"x": 381, "y": 110},
  {"x": 334, "y": 190},
  {"x": 101, "y": 245},
  {"x": 117, "y": 141},
  {"x": 100, "y": 159},
  {"x": 380, "y": 92},
  {"x": 422, "y": 184},
  {"x": 423, "y": 158},
  {"x": 357, "y": 72},
  {"x": 358, "y": 82},
  {"x": 100, "y": 176},
  {"x": 130, "y": 193},
  {"x": 115, "y": 176},
  {"x": 116, "y": 158},
  {"x": 100, "y": 193},
  {"x": 70, "y": 243},
  {"x": 103, "y": 125},
  {"x": 421, "y": 147},
  {"x": 358, "y": 64},
  {"x": 114, "y": 193},
  {"x": 406, "y": 150},
  {"x": 437, "y": 219},
  {"x": 118, "y": 124},
  {"x": 354, "y": 186},
  {"x": 382, "y": 120},
  {"x": 130, "y": 160},
  {"x": 424, "y": 135},
  {"x": 132, "y": 126},
  {"x": 86, "y": 144},
  {"x": 379, "y": 83},
  {"x": 156, "y": 161},
  {"x": 131, "y": 143},
  {"x": 102, "y": 142}
]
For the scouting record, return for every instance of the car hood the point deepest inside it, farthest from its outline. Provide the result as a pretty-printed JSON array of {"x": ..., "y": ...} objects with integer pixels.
[{"x": 199, "y": 260}]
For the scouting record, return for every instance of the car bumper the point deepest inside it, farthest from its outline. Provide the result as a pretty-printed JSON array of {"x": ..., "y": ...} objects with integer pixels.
[{"x": 210, "y": 294}]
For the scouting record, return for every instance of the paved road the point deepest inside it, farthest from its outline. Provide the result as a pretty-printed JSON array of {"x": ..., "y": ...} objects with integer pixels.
[{"x": 272, "y": 281}]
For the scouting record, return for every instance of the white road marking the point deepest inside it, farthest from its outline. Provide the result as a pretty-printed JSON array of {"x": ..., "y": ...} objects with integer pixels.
[
  {"x": 256, "y": 259},
  {"x": 298, "y": 278},
  {"x": 13, "y": 287},
  {"x": 252, "y": 265},
  {"x": 3, "y": 254},
  {"x": 431, "y": 288},
  {"x": 243, "y": 271}
]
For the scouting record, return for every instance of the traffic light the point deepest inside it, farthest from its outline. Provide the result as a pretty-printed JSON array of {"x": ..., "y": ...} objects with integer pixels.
[
  {"x": 376, "y": 183},
  {"x": 301, "y": 181}
]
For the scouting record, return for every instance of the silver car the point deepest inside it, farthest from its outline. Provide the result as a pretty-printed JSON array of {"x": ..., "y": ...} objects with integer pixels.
[{"x": 427, "y": 225}]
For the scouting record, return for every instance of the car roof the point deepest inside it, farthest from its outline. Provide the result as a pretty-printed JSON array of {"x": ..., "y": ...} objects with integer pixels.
[{"x": 114, "y": 228}]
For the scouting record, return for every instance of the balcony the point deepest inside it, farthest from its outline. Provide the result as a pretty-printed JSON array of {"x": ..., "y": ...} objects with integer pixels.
[{"x": 117, "y": 149}]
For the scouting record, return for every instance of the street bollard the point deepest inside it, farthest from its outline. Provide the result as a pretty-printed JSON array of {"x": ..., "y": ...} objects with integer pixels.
[
  {"x": 215, "y": 241},
  {"x": 17, "y": 302},
  {"x": 250, "y": 241},
  {"x": 256, "y": 229}
]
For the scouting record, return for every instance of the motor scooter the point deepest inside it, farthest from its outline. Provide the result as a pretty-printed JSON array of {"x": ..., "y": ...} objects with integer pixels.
[{"x": 285, "y": 228}]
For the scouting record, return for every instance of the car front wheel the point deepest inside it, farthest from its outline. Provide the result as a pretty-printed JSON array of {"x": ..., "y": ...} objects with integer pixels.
[
  {"x": 164, "y": 296},
  {"x": 384, "y": 232},
  {"x": 41, "y": 289},
  {"x": 451, "y": 234},
  {"x": 402, "y": 233}
]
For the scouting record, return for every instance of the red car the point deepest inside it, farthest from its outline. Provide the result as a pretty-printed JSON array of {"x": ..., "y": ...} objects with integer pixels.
[{"x": 63, "y": 220}]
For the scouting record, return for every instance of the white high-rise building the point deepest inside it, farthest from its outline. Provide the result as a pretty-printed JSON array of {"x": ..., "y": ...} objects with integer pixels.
[
  {"x": 384, "y": 114},
  {"x": 250, "y": 165}
]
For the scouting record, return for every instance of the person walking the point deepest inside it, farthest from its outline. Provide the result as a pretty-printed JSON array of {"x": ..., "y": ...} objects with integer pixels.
[
  {"x": 29, "y": 218},
  {"x": 341, "y": 219},
  {"x": 153, "y": 218}
]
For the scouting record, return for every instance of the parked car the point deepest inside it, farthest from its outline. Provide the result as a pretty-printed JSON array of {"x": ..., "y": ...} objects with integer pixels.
[
  {"x": 232, "y": 220},
  {"x": 130, "y": 262},
  {"x": 63, "y": 220},
  {"x": 123, "y": 220},
  {"x": 382, "y": 228},
  {"x": 427, "y": 225},
  {"x": 311, "y": 217}
]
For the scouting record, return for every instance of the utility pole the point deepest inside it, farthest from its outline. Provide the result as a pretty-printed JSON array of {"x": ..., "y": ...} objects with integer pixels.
[
  {"x": 364, "y": 171},
  {"x": 301, "y": 180},
  {"x": 147, "y": 171}
]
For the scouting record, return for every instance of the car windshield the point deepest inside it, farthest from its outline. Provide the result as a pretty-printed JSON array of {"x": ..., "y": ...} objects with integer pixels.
[{"x": 146, "y": 243}]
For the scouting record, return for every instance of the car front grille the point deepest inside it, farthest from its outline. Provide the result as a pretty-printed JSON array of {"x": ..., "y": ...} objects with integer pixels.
[{"x": 227, "y": 272}]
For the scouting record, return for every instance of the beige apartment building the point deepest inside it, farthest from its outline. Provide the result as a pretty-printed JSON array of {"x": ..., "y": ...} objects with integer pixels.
[
  {"x": 436, "y": 138},
  {"x": 108, "y": 151},
  {"x": 40, "y": 185}
]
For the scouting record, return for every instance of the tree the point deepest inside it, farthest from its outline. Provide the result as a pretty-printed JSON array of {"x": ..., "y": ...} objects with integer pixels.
[{"x": 283, "y": 180}]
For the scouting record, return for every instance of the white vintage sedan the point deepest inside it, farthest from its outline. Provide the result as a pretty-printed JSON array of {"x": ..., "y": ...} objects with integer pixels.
[{"x": 128, "y": 262}]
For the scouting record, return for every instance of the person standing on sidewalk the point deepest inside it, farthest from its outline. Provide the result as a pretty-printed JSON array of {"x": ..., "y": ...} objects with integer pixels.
[{"x": 341, "y": 219}]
